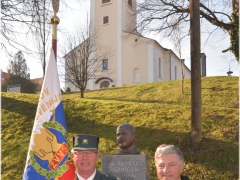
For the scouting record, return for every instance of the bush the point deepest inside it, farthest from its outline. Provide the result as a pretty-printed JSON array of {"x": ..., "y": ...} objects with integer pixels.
[{"x": 68, "y": 90}]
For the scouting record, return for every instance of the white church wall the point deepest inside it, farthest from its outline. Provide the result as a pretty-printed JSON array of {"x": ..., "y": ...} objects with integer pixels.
[
  {"x": 135, "y": 59},
  {"x": 134, "y": 56}
]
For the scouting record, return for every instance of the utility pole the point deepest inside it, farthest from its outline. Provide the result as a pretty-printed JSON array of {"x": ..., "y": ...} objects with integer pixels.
[
  {"x": 55, "y": 21},
  {"x": 196, "y": 109}
]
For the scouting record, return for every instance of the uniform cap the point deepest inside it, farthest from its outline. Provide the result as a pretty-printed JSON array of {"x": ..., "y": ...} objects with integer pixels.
[{"x": 85, "y": 142}]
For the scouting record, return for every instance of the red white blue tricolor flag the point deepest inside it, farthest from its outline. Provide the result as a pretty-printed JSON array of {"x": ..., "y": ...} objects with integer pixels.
[{"x": 48, "y": 149}]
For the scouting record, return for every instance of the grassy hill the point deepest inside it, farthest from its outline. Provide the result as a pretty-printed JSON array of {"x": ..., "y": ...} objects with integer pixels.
[{"x": 160, "y": 113}]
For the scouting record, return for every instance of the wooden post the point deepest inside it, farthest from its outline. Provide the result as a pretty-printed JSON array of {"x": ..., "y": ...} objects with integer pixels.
[{"x": 196, "y": 125}]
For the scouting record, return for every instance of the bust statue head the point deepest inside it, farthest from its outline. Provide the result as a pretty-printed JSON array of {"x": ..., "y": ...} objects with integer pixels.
[
  {"x": 125, "y": 135},
  {"x": 125, "y": 138}
]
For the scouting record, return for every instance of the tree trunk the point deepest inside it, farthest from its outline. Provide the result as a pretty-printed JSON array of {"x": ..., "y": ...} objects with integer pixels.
[
  {"x": 196, "y": 127},
  {"x": 82, "y": 93},
  {"x": 182, "y": 77}
]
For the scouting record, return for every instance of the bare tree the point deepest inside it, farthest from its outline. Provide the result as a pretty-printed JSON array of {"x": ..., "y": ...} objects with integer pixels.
[
  {"x": 12, "y": 12},
  {"x": 42, "y": 30},
  {"x": 177, "y": 37},
  {"x": 18, "y": 73},
  {"x": 21, "y": 13},
  {"x": 18, "y": 66},
  {"x": 83, "y": 56},
  {"x": 163, "y": 15},
  {"x": 33, "y": 19},
  {"x": 196, "y": 99}
]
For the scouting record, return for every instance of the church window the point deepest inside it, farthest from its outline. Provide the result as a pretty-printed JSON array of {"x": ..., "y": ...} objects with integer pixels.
[
  {"x": 105, "y": 19},
  {"x": 130, "y": 3},
  {"x": 175, "y": 72},
  {"x": 106, "y": 1},
  {"x": 160, "y": 67},
  {"x": 136, "y": 75},
  {"x": 105, "y": 64}
]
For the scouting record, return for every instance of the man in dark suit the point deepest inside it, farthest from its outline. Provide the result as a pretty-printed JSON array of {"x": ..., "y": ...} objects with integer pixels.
[{"x": 85, "y": 155}]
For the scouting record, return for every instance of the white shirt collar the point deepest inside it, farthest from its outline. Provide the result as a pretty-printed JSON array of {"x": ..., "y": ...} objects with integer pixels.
[{"x": 90, "y": 178}]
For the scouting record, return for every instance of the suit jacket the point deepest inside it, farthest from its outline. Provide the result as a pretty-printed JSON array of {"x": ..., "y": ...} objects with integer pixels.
[
  {"x": 101, "y": 176},
  {"x": 184, "y": 178}
]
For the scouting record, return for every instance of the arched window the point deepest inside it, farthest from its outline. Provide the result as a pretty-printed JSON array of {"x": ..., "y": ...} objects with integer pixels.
[
  {"x": 136, "y": 75},
  {"x": 104, "y": 84}
]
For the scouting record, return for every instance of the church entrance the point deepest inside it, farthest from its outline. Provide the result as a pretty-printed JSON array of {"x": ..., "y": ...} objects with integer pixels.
[{"x": 104, "y": 84}]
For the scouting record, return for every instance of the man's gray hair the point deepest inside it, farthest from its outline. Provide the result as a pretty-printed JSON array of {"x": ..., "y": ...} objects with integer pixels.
[{"x": 166, "y": 149}]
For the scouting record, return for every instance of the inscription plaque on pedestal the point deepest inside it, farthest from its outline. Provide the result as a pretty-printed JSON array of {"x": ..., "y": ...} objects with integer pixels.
[{"x": 127, "y": 167}]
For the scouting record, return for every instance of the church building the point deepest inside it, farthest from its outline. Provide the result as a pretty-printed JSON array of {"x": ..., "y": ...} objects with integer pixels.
[{"x": 136, "y": 59}]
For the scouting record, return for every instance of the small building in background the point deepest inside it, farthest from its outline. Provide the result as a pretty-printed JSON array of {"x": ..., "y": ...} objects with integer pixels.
[
  {"x": 14, "y": 88},
  {"x": 17, "y": 87},
  {"x": 38, "y": 82},
  {"x": 3, "y": 76}
]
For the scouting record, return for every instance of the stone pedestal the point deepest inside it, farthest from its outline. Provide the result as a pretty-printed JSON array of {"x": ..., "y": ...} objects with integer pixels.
[{"x": 127, "y": 167}]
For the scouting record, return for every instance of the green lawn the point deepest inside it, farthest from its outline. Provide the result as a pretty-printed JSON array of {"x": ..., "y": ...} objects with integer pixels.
[{"x": 160, "y": 113}]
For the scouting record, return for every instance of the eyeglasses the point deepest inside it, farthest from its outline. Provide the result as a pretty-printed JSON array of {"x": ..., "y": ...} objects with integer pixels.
[{"x": 89, "y": 154}]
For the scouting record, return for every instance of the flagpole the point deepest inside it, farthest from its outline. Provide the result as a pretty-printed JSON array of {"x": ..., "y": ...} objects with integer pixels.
[
  {"x": 55, "y": 21},
  {"x": 48, "y": 148}
]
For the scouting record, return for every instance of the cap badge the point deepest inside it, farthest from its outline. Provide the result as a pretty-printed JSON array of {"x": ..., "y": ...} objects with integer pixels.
[{"x": 85, "y": 141}]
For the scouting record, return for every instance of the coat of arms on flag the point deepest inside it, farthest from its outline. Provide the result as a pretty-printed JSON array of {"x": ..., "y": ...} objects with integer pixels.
[{"x": 48, "y": 149}]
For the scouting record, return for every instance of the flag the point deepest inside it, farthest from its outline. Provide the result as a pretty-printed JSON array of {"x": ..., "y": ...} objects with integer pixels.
[{"x": 48, "y": 148}]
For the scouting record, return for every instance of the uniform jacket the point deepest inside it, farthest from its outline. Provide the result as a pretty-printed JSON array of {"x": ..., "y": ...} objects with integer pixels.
[{"x": 101, "y": 176}]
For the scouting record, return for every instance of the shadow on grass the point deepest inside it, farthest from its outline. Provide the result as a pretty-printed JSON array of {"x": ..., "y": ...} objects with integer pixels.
[
  {"x": 209, "y": 153},
  {"x": 17, "y": 106},
  {"x": 133, "y": 100}
]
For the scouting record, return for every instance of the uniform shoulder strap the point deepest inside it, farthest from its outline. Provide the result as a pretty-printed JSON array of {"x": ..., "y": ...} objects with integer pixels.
[{"x": 110, "y": 177}]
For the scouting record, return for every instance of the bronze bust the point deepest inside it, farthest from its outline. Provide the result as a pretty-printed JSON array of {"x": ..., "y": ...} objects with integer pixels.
[{"x": 126, "y": 136}]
